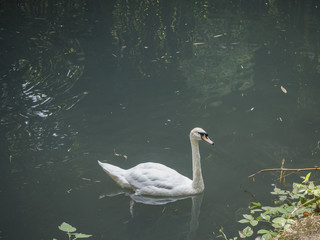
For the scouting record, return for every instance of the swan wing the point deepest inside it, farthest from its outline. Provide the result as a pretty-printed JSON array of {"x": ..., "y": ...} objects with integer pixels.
[{"x": 157, "y": 179}]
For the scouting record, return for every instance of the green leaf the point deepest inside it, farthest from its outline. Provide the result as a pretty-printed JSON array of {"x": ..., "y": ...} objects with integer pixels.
[
  {"x": 263, "y": 231},
  {"x": 243, "y": 221},
  {"x": 303, "y": 200},
  {"x": 279, "y": 220},
  {"x": 266, "y": 236},
  {"x": 282, "y": 210},
  {"x": 67, "y": 227},
  {"x": 317, "y": 192},
  {"x": 276, "y": 225},
  {"x": 306, "y": 179},
  {"x": 278, "y": 191},
  {"x": 254, "y": 223},
  {"x": 255, "y": 210},
  {"x": 270, "y": 209},
  {"x": 249, "y": 217},
  {"x": 247, "y": 232},
  {"x": 311, "y": 186},
  {"x": 290, "y": 209},
  {"x": 265, "y": 217},
  {"x": 255, "y": 205},
  {"x": 81, "y": 235},
  {"x": 283, "y": 197},
  {"x": 287, "y": 226}
]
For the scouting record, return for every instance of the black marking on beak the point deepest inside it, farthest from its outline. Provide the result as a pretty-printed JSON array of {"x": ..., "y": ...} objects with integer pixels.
[{"x": 204, "y": 137}]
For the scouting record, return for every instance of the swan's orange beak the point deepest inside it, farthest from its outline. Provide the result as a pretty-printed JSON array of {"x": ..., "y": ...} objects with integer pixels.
[{"x": 205, "y": 138}]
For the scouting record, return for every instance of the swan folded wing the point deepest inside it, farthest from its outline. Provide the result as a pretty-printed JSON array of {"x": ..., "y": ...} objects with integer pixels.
[
  {"x": 157, "y": 179},
  {"x": 116, "y": 173}
]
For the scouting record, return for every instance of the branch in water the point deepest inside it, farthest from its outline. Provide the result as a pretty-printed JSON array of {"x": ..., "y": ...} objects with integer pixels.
[{"x": 284, "y": 169}]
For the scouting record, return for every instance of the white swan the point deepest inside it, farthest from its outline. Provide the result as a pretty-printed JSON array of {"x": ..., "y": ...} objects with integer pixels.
[{"x": 159, "y": 180}]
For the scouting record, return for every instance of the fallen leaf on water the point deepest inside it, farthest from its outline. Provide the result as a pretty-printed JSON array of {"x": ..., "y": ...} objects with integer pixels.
[
  {"x": 198, "y": 43},
  {"x": 86, "y": 179},
  {"x": 283, "y": 89}
]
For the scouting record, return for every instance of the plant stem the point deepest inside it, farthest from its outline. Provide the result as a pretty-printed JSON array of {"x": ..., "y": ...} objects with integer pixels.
[{"x": 307, "y": 202}]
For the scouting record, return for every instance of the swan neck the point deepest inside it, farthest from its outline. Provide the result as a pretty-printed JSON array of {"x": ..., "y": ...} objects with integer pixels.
[{"x": 197, "y": 182}]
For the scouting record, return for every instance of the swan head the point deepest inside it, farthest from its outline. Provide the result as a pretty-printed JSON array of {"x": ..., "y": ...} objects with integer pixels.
[{"x": 200, "y": 134}]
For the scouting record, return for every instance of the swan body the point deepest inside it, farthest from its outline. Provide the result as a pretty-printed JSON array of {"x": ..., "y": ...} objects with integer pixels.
[{"x": 159, "y": 180}]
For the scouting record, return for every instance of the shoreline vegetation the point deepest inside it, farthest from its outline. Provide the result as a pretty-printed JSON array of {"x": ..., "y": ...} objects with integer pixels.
[
  {"x": 295, "y": 214},
  {"x": 307, "y": 227}
]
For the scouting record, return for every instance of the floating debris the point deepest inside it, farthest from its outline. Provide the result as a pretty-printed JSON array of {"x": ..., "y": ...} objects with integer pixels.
[
  {"x": 90, "y": 180},
  {"x": 279, "y": 119},
  {"x": 177, "y": 92},
  {"x": 120, "y": 154},
  {"x": 283, "y": 89},
  {"x": 219, "y": 35},
  {"x": 198, "y": 43},
  {"x": 164, "y": 209},
  {"x": 86, "y": 179}
]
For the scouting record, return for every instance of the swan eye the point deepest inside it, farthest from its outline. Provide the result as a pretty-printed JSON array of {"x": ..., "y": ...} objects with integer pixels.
[{"x": 203, "y": 134}]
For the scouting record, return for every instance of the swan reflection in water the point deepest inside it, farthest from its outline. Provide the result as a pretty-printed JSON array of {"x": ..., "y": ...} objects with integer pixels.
[{"x": 151, "y": 200}]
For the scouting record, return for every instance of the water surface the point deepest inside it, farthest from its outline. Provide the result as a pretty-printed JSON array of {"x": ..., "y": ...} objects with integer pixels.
[{"x": 84, "y": 81}]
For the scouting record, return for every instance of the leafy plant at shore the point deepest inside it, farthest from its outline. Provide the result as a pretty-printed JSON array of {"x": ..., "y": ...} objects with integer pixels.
[
  {"x": 70, "y": 231},
  {"x": 303, "y": 200}
]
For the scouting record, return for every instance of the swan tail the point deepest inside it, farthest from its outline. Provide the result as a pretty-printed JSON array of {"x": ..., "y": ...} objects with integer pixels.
[{"x": 116, "y": 173}]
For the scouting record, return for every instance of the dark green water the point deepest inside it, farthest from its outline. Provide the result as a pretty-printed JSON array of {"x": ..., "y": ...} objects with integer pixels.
[{"x": 83, "y": 80}]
